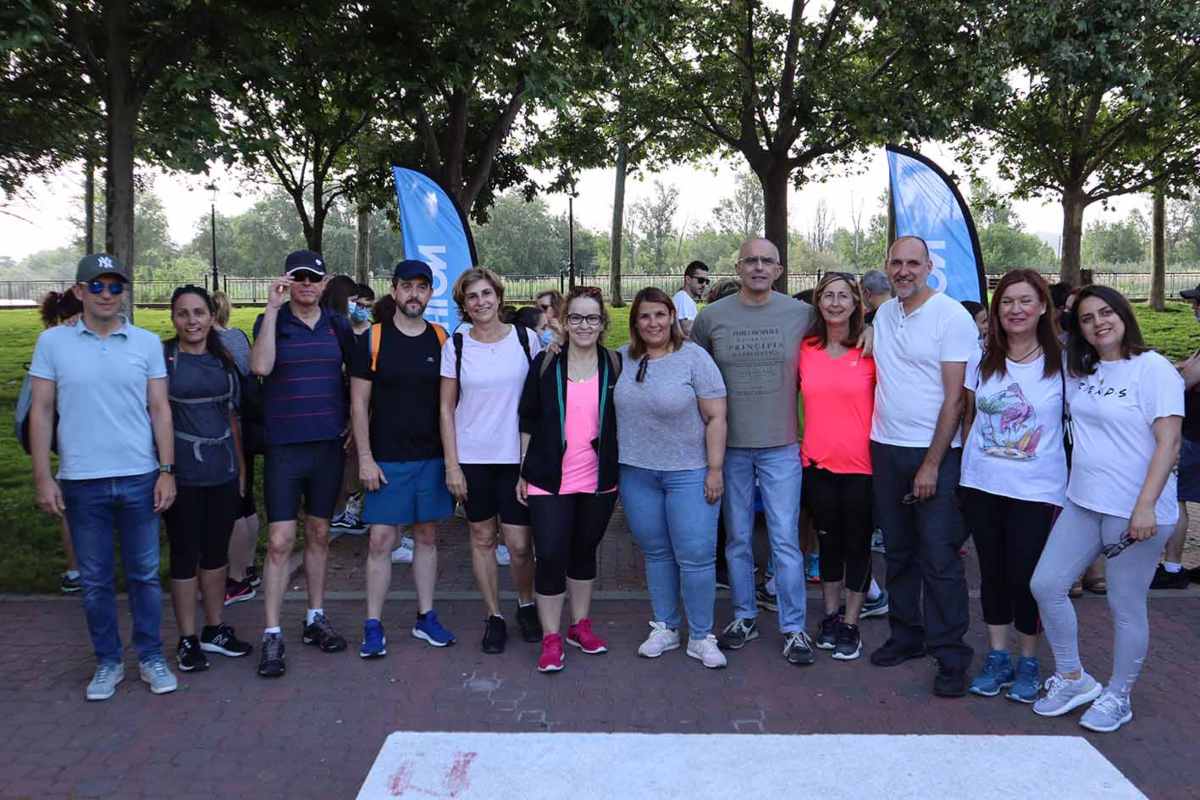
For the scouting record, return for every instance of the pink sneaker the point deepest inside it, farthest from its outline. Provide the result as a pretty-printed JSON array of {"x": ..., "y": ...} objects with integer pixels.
[
  {"x": 580, "y": 635},
  {"x": 552, "y": 653}
]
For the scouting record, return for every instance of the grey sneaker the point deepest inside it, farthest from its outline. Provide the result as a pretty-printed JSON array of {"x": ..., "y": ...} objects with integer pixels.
[
  {"x": 706, "y": 652},
  {"x": 1109, "y": 712},
  {"x": 158, "y": 676},
  {"x": 1063, "y": 695},
  {"x": 104, "y": 682},
  {"x": 737, "y": 633},
  {"x": 798, "y": 649}
]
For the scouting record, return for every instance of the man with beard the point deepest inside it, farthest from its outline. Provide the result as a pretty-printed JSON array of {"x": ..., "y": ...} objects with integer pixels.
[{"x": 394, "y": 389}]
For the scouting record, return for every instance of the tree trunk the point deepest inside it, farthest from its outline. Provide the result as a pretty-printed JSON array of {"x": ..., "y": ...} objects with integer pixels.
[
  {"x": 1158, "y": 240},
  {"x": 121, "y": 114},
  {"x": 774, "y": 180},
  {"x": 1073, "y": 204},
  {"x": 89, "y": 205},
  {"x": 362, "y": 248},
  {"x": 618, "y": 227}
]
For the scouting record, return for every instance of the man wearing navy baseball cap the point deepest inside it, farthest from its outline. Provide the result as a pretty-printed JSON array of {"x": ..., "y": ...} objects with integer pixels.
[{"x": 300, "y": 350}]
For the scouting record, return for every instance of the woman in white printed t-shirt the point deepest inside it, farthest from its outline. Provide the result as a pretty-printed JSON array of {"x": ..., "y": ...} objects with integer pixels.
[
  {"x": 483, "y": 372},
  {"x": 1014, "y": 471},
  {"x": 1126, "y": 406}
]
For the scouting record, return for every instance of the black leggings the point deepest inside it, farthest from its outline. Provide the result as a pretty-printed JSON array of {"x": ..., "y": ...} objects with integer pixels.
[
  {"x": 567, "y": 529},
  {"x": 198, "y": 526},
  {"x": 841, "y": 510},
  {"x": 1009, "y": 537}
]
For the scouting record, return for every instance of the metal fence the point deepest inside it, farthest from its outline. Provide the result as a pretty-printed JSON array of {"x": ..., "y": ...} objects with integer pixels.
[{"x": 523, "y": 288}]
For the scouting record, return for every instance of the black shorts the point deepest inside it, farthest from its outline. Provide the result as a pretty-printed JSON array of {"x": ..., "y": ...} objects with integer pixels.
[
  {"x": 492, "y": 490},
  {"x": 246, "y": 506},
  {"x": 309, "y": 469},
  {"x": 198, "y": 526}
]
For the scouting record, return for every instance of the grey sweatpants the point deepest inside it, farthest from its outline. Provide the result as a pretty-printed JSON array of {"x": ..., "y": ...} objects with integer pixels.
[{"x": 1075, "y": 543}]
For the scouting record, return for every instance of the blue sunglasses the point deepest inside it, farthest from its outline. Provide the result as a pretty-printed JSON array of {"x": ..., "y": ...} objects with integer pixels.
[{"x": 114, "y": 287}]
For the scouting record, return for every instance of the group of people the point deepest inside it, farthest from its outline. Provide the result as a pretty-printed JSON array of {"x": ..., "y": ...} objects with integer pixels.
[{"x": 1050, "y": 447}]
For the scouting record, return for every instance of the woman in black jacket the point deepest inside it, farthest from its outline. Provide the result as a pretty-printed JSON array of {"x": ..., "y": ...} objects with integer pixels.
[{"x": 569, "y": 470}]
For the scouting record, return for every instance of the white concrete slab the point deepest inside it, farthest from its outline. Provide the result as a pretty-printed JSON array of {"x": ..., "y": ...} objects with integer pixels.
[{"x": 582, "y": 766}]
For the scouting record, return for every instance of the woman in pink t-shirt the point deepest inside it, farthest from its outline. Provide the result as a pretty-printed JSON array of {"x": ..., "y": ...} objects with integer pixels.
[
  {"x": 569, "y": 470},
  {"x": 837, "y": 383}
]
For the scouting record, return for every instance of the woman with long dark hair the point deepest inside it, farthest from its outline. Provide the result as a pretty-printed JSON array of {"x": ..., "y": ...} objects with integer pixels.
[
  {"x": 569, "y": 471},
  {"x": 203, "y": 385},
  {"x": 1126, "y": 405},
  {"x": 1014, "y": 471},
  {"x": 670, "y": 403},
  {"x": 837, "y": 382}
]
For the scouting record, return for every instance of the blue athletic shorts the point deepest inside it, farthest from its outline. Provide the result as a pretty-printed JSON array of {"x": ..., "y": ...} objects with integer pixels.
[
  {"x": 415, "y": 492},
  {"x": 1189, "y": 472}
]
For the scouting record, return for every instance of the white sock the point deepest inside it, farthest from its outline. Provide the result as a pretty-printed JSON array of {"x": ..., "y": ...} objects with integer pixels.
[
  {"x": 524, "y": 605},
  {"x": 312, "y": 615},
  {"x": 874, "y": 592},
  {"x": 1170, "y": 566},
  {"x": 276, "y": 631}
]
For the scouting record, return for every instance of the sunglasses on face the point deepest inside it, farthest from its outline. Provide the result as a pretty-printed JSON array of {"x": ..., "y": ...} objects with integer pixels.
[
  {"x": 304, "y": 276},
  {"x": 701, "y": 281},
  {"x": 98, "y": 287}
]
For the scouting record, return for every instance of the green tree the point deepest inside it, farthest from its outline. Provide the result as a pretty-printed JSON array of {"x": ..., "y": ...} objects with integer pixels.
[
  {"x": 653, "y": 220},
  {"x": 741, "y": 213},
  {"x": 1107, "y": 103},
  {"x": 1120, "y": 242},
  {"x": 520, "y": 238}
]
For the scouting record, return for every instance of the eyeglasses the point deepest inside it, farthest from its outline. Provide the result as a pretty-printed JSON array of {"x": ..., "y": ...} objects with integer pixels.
[
  {"x": 98, "y": 287},
  {"x": 304, "y": 276},
  {"x": 766, "y": 261},
  {"x": 1114, "y": 550},
  {"x": 579, "y": 320}
]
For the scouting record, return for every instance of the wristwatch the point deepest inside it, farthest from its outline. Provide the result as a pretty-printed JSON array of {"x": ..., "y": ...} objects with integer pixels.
[{"x": 166, "y": 469}]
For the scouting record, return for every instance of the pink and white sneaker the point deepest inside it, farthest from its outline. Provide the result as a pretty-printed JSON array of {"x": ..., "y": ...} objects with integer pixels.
[
  {"x": 580, "y": 635},
  {"x": 552, "y": 658}
]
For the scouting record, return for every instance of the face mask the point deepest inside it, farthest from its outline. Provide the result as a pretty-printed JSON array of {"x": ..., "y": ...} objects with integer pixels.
[
  {"x": 359, "y": 314},
  {"x": 547, "y": 336}
]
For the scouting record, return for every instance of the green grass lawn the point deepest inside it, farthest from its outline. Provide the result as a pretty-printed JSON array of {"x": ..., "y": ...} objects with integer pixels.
[{"x": 32, "y": 554}]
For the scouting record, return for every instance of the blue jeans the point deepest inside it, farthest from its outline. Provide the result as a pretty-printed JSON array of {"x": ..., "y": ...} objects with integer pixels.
[
  {"x": 95, "y": 508},
  {"x": 779, "y": 475},
  {"x": 677, "y": 531}
]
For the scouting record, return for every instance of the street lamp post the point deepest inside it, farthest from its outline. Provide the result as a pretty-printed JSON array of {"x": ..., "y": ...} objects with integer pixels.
[{"x": 212, "y": 189}]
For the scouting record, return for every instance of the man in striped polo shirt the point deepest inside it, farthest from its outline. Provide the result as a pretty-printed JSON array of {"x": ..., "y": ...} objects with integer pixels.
[{"x": 300, "y": 350}]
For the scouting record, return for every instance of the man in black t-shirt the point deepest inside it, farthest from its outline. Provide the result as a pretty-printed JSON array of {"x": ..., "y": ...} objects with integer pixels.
[{"x": 394, "y": 386}]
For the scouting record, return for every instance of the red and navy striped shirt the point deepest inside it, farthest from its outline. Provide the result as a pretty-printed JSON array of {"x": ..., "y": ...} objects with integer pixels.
[{"x": 304, "y": 397}]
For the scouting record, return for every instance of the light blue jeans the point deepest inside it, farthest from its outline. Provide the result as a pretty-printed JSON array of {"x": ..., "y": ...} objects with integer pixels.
[
  {"x": 95, "y": 509},
  {"x": 779, "y": 475},
  {"x": 676, "y": 528}
]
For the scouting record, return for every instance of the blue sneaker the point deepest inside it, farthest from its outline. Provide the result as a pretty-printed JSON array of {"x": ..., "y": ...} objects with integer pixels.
[
  {"x": 812, "y": 568},
  {"x": 374, "y": 643},
  {"x": 1025, "y": 688},
  {"x": 429, "y": 629},
  {"x": 997, "y": 674}
]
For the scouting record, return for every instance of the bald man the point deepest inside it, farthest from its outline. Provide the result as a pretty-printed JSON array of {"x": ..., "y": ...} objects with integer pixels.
[{"x": 754, "y": 336}]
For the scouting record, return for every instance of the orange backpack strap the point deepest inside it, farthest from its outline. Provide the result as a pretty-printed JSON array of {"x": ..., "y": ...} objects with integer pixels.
[
  {"x": 440, "y": 332},
  {"x": 376, "y": 338}
]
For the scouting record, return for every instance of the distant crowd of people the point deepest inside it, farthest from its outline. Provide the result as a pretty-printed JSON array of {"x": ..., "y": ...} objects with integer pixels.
[{"x": 1041, "y": 425}]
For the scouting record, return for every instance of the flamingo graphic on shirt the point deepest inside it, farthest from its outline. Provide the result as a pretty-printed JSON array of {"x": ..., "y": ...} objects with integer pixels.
[{"x": 1008, "y": 424}]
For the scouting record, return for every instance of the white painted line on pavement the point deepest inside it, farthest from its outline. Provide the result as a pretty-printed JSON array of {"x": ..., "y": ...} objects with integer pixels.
[{"x": 582, "y": 766}]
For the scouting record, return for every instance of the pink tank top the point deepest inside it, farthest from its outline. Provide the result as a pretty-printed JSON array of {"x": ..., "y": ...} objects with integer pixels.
[{"x": 581, "y": 462}]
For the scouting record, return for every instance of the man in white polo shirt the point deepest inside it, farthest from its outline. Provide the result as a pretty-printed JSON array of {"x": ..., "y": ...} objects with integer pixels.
[
  {"x": 922, "y": 342},
  {"x": 108, "y": 382},
  {"x": 695, "y": 283}
]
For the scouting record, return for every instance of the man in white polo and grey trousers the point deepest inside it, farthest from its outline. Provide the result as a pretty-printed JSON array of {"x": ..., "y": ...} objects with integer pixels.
[{"x": 922, "y": 342}]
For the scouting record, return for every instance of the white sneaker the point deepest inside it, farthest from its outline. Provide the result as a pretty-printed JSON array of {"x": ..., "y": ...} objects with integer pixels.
[
  {"x": 660, "y": 640},
  {"x": 158, "y": 676},
  {"x": 502, "y": 556},
  {"x": 706, "y": 652},
  {"x": 104, "y": 682},
  {"x": 404, "y": 553},
  {"x": 1063, "y": 695}
]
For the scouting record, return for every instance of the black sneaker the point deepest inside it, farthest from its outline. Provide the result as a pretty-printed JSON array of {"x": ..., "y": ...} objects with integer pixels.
[
  {"x": 798, "y": 649},
  {"x": 530, "y": 625},
  {"x": 322, "y": 634},
  {"x": 253, "y": 576},
  {"x": 950, "y": 681},
  {"x": 271, "y": 664},
  {"x": 892, "y": 654},
  {"x": 848, "y": 645},
  {"x": 495, "y": 635},
  {"x": 238, "y": 592},
  {"x": 827, "y": 635},
  {"x": 220, "y": 639},
  {"x": 765, "y": 599},
  {"x": 69, "y": 585},
  {"x": 1170, "y": 580},
  {"x": 189, "y": 655},
  {"x": 737, "y": 633}
]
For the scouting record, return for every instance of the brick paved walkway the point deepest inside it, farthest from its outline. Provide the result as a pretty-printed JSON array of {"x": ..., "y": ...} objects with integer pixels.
[{"x": 314, "y": 734}]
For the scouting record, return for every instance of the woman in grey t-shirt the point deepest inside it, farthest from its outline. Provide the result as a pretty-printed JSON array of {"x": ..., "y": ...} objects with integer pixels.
[{"x": 670, "y": 404}]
